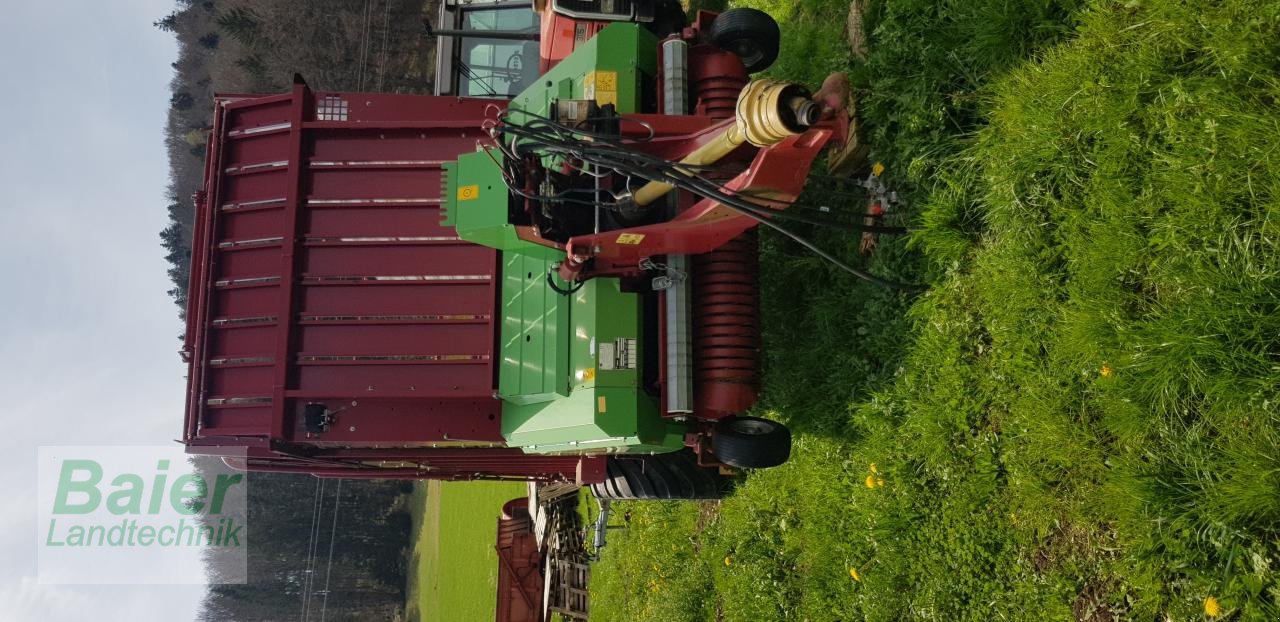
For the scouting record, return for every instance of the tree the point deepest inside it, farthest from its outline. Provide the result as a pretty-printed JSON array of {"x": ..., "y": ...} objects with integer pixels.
[
  {"x": 241, "y": 23},
  {"x": 176, "y": 241},
  {"x": 168, "y": 23},
  {"x": 288, "y": 551},
  {"x": 181, "y": 100}
]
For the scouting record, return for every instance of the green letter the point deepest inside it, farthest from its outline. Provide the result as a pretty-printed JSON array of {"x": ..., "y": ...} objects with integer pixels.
[
  {"x": 146, "y": 535},
  {"x": 220, "y": 487},
  {"x": 128, "y": 499},
  {"x": 88, "y": 486},
  {"x": 157, "y": 487},
  {"x": 53, "y": 523}
]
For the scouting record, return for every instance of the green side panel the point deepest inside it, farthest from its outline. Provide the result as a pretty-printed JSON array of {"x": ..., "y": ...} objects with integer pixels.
[
  {"x": 569, "y": 376},
  {"x": 475, "y": 203},
  {"x": 626, "y": 49},
  {"x": 602, "y": 408},
  {"x": 620, "y": 58},
  {"x": 535, "y": 329}
]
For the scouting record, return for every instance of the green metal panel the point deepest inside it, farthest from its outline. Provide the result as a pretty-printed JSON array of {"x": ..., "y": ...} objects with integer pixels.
[
  {"x": 604, "y": 408},
  {"x": 614, "y": 65},
  {"x": 475, "y": 203},
  {"x": 535, "y": 361},
  {"x": 626, "y": 50},
  {"x": 565, "y": 386}
]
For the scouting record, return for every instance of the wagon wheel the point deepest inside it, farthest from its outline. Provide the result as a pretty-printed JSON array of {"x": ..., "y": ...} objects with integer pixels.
[
  {"x": 751, "y": 34},
  {"x": 751, "y": 442}
]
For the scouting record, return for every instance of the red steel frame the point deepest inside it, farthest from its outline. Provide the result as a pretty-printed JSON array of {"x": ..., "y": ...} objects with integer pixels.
[{"x": 774, "y": 180}]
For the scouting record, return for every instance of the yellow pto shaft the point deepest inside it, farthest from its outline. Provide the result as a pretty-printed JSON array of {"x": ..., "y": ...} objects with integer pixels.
[{"x": 767, "y": 112}]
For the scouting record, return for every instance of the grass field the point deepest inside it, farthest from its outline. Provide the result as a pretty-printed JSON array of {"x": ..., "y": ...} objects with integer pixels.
[
  {"x": 1080, "y": 419},
  {"x": 453, "y": 573}
]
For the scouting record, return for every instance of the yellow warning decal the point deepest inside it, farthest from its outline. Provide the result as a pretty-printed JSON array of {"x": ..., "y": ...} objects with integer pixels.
[
  {"x": 589, "y": 374},
  {"x": 601, "y": 404},
  {"x": 467, "y": 193},
  {"x": 630, "y": 238},
  {"x": 601, "y": 86}
]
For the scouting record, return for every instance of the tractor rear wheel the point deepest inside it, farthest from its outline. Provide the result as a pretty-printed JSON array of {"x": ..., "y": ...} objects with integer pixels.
[
  {"x": 751, "y": 34},
  {"x": 662, "y": 476},
  {"x": 751, "y": 442}
]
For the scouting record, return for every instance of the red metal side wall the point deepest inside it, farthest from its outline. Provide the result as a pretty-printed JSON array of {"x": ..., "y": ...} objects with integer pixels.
[{"x": 321, "y": 274}]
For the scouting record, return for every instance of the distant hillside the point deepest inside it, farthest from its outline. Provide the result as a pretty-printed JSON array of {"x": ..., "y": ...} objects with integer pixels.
[
  {"x": 255, "y": 46},
  {"x": 337, "y": 547},
  {"x": 242, "y": 46}
]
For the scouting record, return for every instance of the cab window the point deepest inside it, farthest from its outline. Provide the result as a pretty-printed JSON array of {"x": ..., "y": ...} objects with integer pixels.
[{"x": 497, "y": 67}]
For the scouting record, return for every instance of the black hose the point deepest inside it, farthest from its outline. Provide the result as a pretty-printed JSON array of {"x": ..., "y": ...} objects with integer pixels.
[
  {"x": 551, "y": 281},
  {"x": 604, "y": 152}
]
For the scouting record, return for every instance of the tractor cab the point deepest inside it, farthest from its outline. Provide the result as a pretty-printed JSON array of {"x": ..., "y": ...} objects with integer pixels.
[
  {"x": 486, "y": 49},
  {"x": 497, "y": 48}
]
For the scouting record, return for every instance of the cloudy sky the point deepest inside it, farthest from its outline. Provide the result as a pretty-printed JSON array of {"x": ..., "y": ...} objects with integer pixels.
[{"x": 88, "y": 337}]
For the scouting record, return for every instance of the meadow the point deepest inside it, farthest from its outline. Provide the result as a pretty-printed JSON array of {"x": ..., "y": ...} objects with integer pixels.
[
  {"x": 1079, "y": 418},
  {"x": 453, "y": 570}
]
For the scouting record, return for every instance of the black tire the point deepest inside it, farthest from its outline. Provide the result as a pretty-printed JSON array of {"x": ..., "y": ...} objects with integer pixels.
[
  {"x": 706, "y": 482},
  {"x": 641, "y": 484},
  {"x": 751, "y": 442},
  {"x": 611, "y": 484},
  {"x": 663, "y": 476},
  {"x": 751, "y": 34},
  {"x": 673, "y": 474}
]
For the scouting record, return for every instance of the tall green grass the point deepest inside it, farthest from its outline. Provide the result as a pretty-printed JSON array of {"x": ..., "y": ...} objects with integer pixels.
[{"x": 1080, "y": 420}]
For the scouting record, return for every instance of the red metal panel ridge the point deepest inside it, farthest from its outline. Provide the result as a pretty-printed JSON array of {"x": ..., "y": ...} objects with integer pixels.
[{"x": 322, "y": 278}]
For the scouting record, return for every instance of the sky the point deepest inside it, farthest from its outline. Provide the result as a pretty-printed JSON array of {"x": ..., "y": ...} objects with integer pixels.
[{"x": 88, "y": 336}]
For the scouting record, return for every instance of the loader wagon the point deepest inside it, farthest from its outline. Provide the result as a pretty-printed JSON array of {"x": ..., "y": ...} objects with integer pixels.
[{"x": 551, "y": 278}]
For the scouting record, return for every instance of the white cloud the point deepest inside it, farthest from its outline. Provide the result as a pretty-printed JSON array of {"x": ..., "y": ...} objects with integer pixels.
[{"x": 87, "y": 342}]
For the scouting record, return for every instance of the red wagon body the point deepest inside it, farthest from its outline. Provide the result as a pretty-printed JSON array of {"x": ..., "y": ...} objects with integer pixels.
[{"x": 322, "y": 278}]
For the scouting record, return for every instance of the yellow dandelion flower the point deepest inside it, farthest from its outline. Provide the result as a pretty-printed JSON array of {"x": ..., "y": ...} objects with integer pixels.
[
  {"x": 873, "y": 468},
  {"x": 1212, "y": 608},
  {"x": 1105, "y": 371},
  {"x": 871, "y": 481},
  {"x": 880, "y": 482},
  {"x": 728, "y": 560},
  {"x": 853, "y": 572}
]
